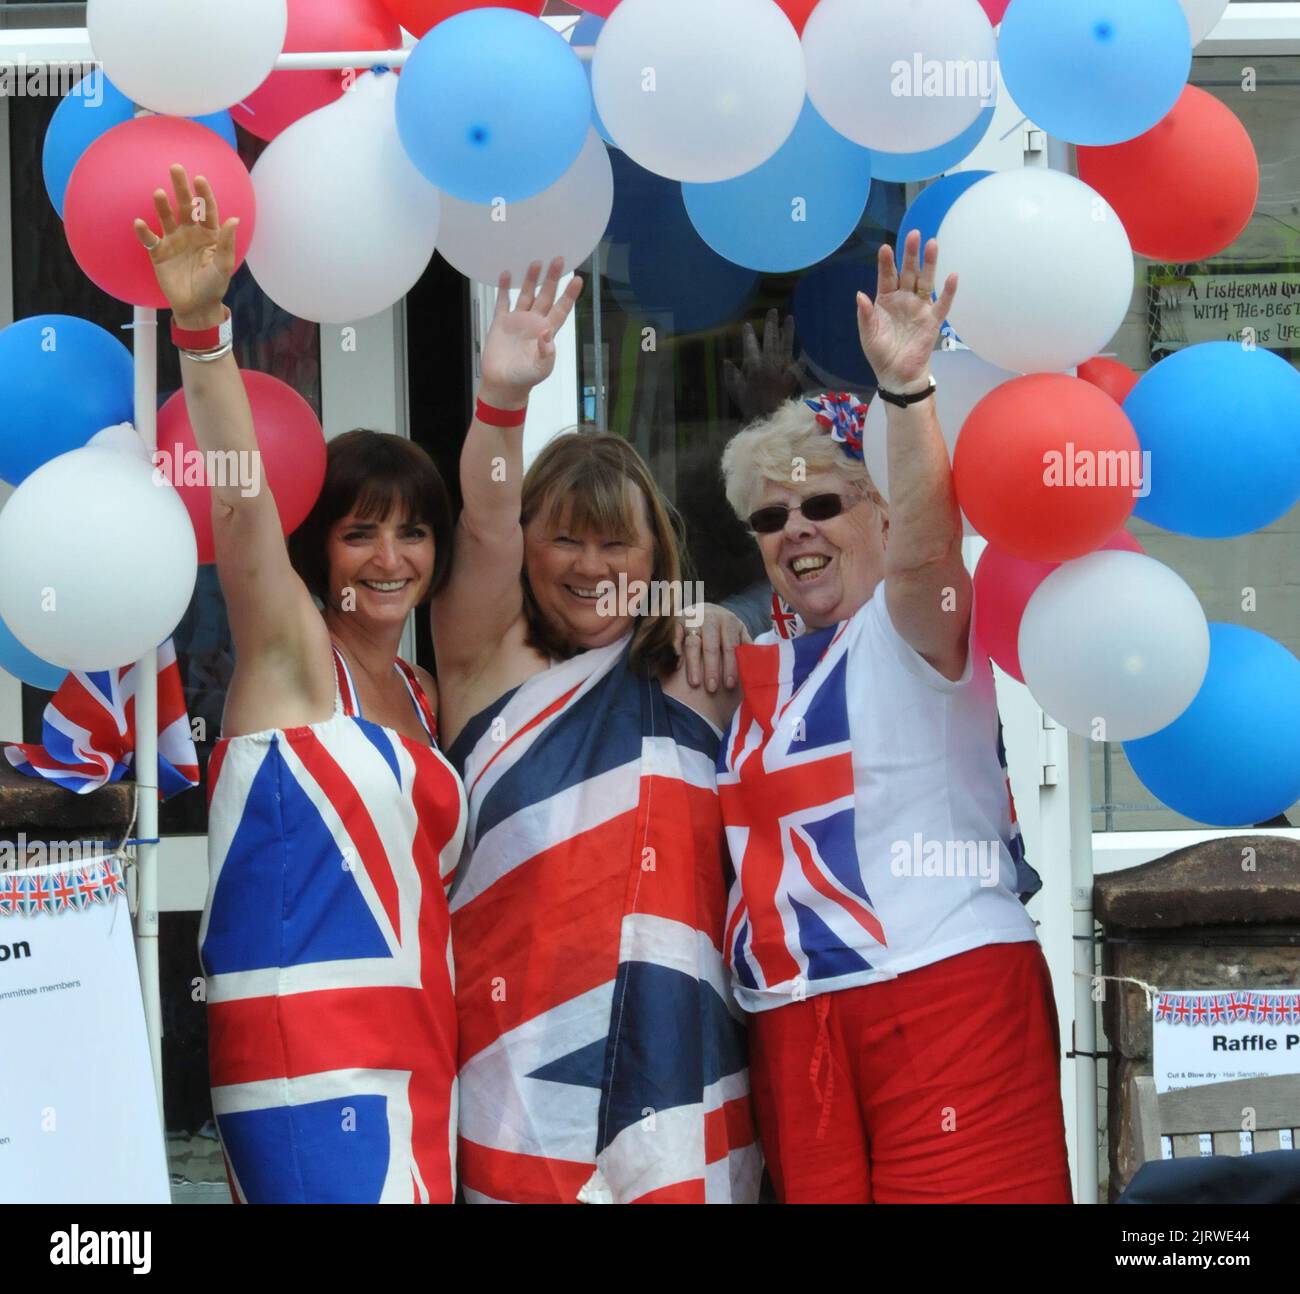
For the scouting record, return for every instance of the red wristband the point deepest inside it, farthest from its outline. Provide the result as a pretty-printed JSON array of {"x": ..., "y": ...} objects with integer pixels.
[
  {"x": 500, "y": 417},
  {"x": 202, "y": 339}
]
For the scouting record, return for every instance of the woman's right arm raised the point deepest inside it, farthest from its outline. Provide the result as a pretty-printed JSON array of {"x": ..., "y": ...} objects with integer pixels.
[
  {"x": 483, "y": 596},
  {"x": 271, "y": 612}
]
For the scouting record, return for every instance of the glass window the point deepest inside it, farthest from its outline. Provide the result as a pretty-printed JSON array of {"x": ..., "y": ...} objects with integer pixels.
[{"x": 1223, "y": 572}]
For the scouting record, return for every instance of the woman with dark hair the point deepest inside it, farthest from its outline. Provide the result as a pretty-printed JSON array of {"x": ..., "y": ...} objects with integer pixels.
[
  {"x": 335, "y": 822},
  {"x": 601, "y": 1060}
]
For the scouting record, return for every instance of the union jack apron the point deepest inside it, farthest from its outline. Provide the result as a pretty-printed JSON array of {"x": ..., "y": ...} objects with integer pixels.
[
  {"x": 325, "y": 940},
  {"x": 602, "y": 1060}
]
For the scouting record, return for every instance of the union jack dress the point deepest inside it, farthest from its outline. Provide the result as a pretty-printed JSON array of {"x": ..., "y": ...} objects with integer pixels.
[
  {"x": 602, "y": 1059},
  {"x": 326, "y": 946}
]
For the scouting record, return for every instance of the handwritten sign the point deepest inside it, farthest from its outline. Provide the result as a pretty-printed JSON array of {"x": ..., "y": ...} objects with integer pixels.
[{"x": 1261, "y": 307}]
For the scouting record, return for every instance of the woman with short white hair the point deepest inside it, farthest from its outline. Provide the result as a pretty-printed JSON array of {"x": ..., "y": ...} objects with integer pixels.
[{"x": 903, "y": 1036}]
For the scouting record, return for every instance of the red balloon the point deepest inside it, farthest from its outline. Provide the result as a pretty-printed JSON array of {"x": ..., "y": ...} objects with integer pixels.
[
  {"x": 1003, "y": 587},
  {"x": 114, "y": 182},
  {"x": 1047, "y": 467},
  {"x": 603, "y": 8},
  {"x": 292, "y": 462},
  {"x": 995, "y": 9},
  {"x": 417, "y": 16},
  {"x": 1187, "y": 188},
  {"x": 1109, "y": 375},
  {"x": 797, "y": 11},
  {"x": 315, "y": 25}
]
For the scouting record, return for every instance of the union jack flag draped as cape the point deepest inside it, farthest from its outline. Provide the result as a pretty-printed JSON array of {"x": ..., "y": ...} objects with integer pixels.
[
  {"x": 602, "y": 1059},
  {"x": 88, "y": 732}
]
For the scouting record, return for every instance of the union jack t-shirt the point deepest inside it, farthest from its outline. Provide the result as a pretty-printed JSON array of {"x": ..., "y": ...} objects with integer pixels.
[{"x": 867, "y": 811}]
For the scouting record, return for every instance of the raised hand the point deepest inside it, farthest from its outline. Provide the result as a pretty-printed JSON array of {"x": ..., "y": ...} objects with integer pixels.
[
  {"x": 899, "y": 329},
  {"x": 768, "y": 377},
  {"x": 195, "y": 256},
  {"x": 519, "y": 351}
]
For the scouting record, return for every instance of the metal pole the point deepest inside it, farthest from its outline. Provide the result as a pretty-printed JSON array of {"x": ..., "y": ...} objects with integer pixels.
[
  {"x": 145, "y": 348},
  {"x": 1060, "y": 157},
  {"x": 598, "y": 339}
]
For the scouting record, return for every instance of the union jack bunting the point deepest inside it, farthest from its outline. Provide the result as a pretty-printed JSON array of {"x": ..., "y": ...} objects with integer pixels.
[
  {"x": 88, "y": 731},
  {"x": 1227, "y": 1008},
  {"x": 30, "y": 893}
]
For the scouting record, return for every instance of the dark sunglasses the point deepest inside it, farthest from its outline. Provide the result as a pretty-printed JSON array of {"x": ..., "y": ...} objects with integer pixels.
[{"x": 817, "y": 507}]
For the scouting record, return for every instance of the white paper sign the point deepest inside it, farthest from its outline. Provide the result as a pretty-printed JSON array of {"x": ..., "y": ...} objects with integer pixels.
[
  {"x": 1213, "y": 1037},
  {"x": 78, "y": 1114}
]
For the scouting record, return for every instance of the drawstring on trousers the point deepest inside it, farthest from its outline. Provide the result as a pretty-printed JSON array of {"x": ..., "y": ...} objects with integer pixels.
[{"x": 822, "y": 1048}]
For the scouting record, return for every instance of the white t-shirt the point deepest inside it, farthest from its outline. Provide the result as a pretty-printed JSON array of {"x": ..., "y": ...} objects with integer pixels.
[{"x": 867, "y": 813}]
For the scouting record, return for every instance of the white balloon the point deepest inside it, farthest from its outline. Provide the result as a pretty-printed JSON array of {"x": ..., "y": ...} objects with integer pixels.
[
  {"x": 187, "y": 59},
  {"x": 345, "y": 223},
  {"x": 568, "y": 220},
  {"x": 1045, "y": 270},
  {"x": 698, "y": 92},
  {"x": 122, "y": 439},
  {"x": 900, "y": 78},
  {"x": 97, "y": 560},
  {"x": 963, "y": 380},
  {"x": 1203, "y": 16},
  {"x": 1114, "y": 645}
]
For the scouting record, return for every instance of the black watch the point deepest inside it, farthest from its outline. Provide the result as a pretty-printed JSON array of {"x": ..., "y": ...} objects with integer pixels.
[{"x": 902, "y": 401}]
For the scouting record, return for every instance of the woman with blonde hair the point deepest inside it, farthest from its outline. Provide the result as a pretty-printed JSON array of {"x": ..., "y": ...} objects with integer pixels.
[
  {"x": 600, "y": 1058},
  {"x": 903, "y": 1033}
]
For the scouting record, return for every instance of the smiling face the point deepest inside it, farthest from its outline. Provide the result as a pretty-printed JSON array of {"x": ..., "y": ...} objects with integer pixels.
[
  {"x": 388, "y": 564},
  {"x": 826, "y": 570},
  {"x": 567, "y": 567}
]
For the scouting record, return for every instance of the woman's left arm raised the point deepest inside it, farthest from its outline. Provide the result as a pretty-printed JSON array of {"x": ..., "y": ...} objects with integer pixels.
[{"x": 928, "y": 590}]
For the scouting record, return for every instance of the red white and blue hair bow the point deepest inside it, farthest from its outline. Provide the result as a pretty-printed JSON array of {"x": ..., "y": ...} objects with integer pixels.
[{"x": 844, "y": 416}]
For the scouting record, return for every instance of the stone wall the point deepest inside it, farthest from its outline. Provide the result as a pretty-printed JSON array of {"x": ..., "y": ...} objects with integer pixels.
[{"x": 1224, "y": 914}]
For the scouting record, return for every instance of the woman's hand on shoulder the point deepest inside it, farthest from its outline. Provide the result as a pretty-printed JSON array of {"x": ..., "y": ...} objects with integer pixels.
[{"x": 707, "y": 638}]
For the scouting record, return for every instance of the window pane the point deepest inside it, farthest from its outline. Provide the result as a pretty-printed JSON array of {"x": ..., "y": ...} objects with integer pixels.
[{"x": 1223, "y": 572}]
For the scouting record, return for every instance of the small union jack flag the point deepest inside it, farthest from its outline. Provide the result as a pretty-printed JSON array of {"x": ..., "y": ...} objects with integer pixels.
[
  {"x": 1258, "y": 1008},
  {"x": 1291, "y": 1009},
  {"x": 1200, "y": 1011},
  {"x": 1274, "y": 1010},
  {"x": 64, "y": 891},
  {"x": 1164, "y": 1007},
  {"x": 88, "y": 886},
  {"x": 39, "y": 896},
  {"x": 12, "y": 891},
  {"x": 1240, "y": 1005}
]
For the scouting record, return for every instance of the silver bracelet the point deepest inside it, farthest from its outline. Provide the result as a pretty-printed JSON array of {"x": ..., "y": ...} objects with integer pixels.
[{"x": 207, "y": 356}]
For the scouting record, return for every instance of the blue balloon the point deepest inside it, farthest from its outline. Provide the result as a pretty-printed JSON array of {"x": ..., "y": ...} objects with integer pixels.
[
  {"x": 587, "y": 32},
  {"x": 901, "y": 167},
  {"x": 92, "y": 108},
  {"x": 826, "y": 318},
  {"x": 1232, "y": 758},
  {"x": 15, "y": 659},
  {"x": 931, "y": 205},
  {"x": 792, "y": 211},
  {"x": 671, "y": 271},
  {"x": 64, "y": 379},
  {"x": 1220, "y": 423},
  {"x": 1095, "y": 71},
  {"x": 493, "y": 105}
]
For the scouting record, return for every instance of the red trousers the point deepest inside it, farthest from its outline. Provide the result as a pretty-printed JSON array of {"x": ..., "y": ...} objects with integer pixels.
[{"x": 941, "y": 1086}]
